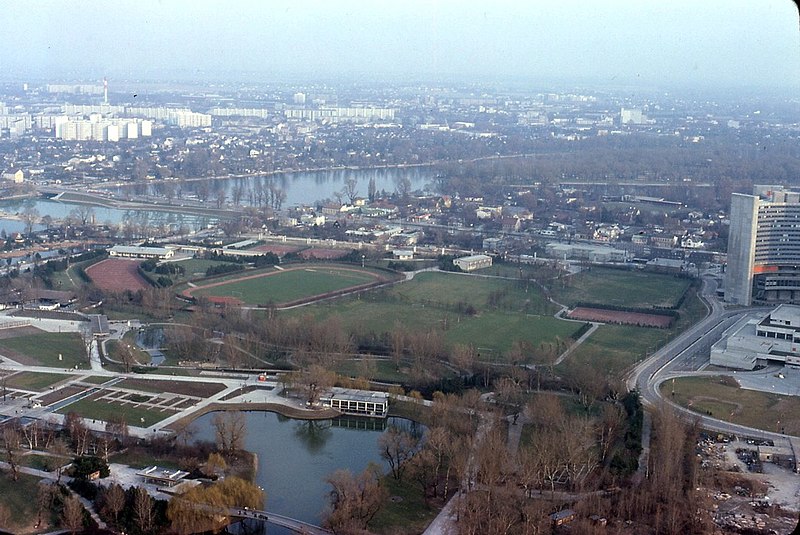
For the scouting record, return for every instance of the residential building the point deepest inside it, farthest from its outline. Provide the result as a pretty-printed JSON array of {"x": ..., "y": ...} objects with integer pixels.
[{"x": 764, "y": 247}]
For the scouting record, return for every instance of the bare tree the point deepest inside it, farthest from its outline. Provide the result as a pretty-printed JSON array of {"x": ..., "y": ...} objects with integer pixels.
[
  {"x": 114, "y": 501},
  {"x": 354, "y": 500},
  {"x": 45, "y": 495},
  {"x": 72, "y": 514},
  {"x": 397, "y": 446},
  {"x": 5, "y": 516},
  {"x": 11, "y": 447},
  {"x": 351, "y": 189},
  {"x": 143, "y": 511},
  {"x": 230, "y": 429}
]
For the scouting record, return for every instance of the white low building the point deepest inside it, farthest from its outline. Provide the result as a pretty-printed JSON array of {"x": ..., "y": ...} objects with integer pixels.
[
  {"x": 133, "y": 251},
  {"x": 357, "y": 402},
  {"x": 473, "y": 262},
  {"x": 775, "y": 337}
]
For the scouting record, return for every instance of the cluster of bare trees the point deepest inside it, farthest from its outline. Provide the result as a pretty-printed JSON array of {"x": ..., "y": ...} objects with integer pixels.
[{"x": 354, "y": 499}]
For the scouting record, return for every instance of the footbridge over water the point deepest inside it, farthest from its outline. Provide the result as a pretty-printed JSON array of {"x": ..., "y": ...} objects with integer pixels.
[{"x": 298, "y": 526}]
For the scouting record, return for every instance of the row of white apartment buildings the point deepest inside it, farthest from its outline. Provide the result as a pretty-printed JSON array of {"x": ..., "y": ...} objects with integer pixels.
[
  {"x": 180, "y": 117},
  {"x": 334, "y": 114},
  {"x": 97, "y": 128}
]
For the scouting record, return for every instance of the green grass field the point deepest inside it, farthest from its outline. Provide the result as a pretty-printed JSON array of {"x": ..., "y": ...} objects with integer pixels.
[
  {"x": 408, "y": 512},
  {"x": 195, "y": 268},
  {"x": 620, "y": 288},
  {"x": 19, "y": 497},
  {"x": 502, "y": 312},
  {"x": 614, "y": 348},
  {"x": 288, "y": 285},
  {"x": 44, "y": 349},
  {"x": 718, "y": 398},
  {"x": 102, "y": 410},
  {"x": 34, "y": 380}
]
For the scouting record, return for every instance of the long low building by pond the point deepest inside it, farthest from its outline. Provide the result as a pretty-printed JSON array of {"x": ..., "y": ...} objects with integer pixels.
[{"x": 357, "y": 402}]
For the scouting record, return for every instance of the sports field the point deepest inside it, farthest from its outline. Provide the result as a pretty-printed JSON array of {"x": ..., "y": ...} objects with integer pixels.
[
  {"x": 620, "y": 287},
  {"x": 117, "y": 275},
  {"x": 613, "y": 348},
  {"x": 292, "y": 284}
]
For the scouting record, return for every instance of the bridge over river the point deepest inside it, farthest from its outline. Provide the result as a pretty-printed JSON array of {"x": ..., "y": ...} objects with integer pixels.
[{"x": 298, "y": 526}]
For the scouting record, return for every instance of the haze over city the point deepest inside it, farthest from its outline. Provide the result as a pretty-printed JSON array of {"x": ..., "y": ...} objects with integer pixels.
[
  {"x": 717, "y": 44},
  {"x": 400, "y": 268}
]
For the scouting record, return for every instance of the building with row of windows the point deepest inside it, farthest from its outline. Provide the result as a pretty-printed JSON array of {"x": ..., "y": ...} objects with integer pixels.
[
  {"x": 775, "y": 337},
  {"x": 357, "y": 402},
  {"x": 764, "y": 247}
]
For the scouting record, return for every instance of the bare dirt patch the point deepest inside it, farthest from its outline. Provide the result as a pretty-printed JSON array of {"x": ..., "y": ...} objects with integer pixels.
[
  {"x": 185, "y": 388},
  {"x": 280, "y": 250},
  {"x": 61, "y": 393},
  {"x": 620, "y": 317},
  {"x": 117, "y": 275},
  {"x": 18, "y": 331},
  {"x": 323, "y": 254}
]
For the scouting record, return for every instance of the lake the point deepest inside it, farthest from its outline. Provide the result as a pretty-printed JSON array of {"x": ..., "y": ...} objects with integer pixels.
[{"x": 295, "y": 456}]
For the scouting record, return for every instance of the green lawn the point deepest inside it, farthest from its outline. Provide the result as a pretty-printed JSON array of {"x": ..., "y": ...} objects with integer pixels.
[
  {"x": 42, "y": 462},
  {"x": 717, "y": 397},
  {"x": 384, "y": 370},
  {"x": 407, "y": 513},
  {"x": 96, "y": 379},
  {"x": 19, "y": 497},
  {"x": 487, "y": 313},
  {"x": 620, "y": 287},
  {"x": 288, "y": 286},
  {"x": 195, "y": 268},
  {"x": 34, "y": 380},
  {"x": 44, "y": 348},
  {"x": 141, "y": 458},
  {"x": 103, "y": 410},
  {"x": 449, "y": 289},
  {"x": 499, "y": 330}
]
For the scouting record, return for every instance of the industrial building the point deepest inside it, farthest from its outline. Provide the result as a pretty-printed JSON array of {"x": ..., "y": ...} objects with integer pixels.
[{"x": 764, "y": 247}]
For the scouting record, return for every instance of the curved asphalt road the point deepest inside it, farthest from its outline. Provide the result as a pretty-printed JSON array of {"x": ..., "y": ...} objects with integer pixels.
[{"x": 678, "y": 356}]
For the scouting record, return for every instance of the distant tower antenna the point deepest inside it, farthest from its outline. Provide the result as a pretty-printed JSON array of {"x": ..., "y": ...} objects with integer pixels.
[{"x": 105, "y": 91}]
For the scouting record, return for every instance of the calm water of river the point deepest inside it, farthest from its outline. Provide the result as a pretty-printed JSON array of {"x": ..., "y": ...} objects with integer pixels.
[
  {"x": 301, "y": 189},
  {"x": 295, "y": 456}
]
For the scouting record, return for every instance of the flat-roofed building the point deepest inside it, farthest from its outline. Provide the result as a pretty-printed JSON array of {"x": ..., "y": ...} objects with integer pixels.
[
  {"x": 357, "y": 402},
  {"x": 162, "y": 476},
  {"x": 135, "y": 251},
  {"x": 775, "y": 337},
  {"x": 473, "y": 262}
]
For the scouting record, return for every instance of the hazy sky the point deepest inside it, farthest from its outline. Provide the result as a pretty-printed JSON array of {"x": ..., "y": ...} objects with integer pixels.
[{"x": 695, "y": 43}]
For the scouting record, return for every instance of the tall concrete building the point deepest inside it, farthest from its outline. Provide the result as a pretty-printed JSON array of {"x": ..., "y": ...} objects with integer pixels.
[{"x": 764, "y": 247}]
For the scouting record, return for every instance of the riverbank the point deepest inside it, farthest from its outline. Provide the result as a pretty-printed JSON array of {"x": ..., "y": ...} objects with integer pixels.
[{"x": 283, "y": 410}]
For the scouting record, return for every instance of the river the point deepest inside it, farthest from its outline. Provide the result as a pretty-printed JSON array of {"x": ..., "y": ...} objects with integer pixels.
[
  {"x": 302, "y": 188},
  {"x": 295, "y": 456}
]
